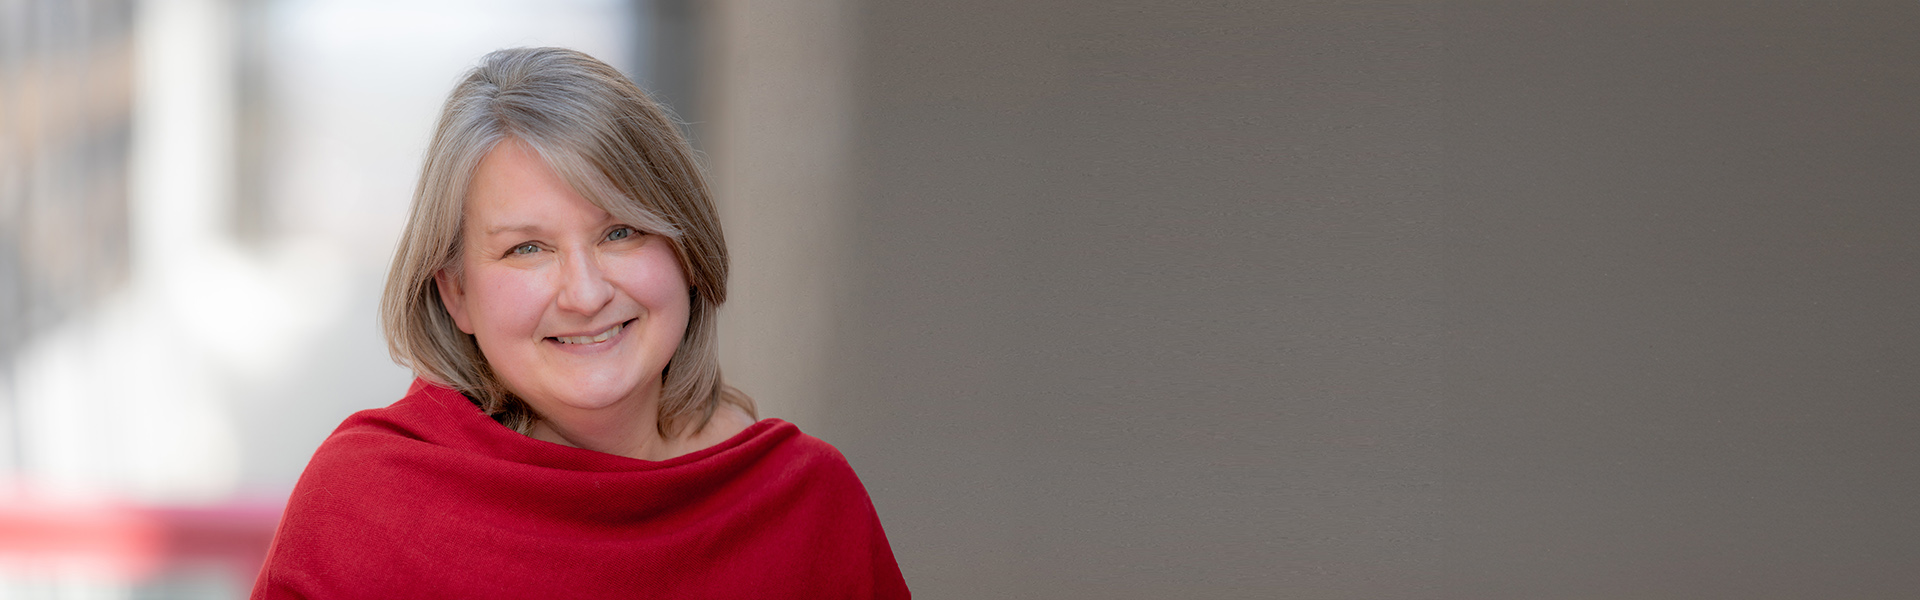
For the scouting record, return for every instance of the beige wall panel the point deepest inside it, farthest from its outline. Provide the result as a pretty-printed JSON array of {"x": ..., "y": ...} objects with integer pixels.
[{"x": 780, "y": 79}]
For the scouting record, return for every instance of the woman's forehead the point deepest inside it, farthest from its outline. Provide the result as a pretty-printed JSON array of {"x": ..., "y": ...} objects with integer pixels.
[{"x": 514, "y": 190}]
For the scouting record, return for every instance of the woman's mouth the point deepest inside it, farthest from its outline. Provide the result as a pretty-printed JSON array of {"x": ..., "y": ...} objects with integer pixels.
[{"x": 593, "y": 339}]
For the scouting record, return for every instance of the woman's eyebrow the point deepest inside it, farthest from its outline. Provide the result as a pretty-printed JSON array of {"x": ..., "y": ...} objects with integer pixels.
[
  {"x": 529, "y": 228},
  {"x": 520, "y": 228}
]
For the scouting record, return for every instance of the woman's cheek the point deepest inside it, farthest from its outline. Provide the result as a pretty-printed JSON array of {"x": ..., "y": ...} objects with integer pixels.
[{"x": 516, "y": 300}]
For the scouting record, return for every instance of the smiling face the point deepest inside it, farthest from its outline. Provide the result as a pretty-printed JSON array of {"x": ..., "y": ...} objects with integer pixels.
[{"x": 576, "y": 312}]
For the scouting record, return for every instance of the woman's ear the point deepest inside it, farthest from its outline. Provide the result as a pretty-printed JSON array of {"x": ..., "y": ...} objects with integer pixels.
[{"x": 454, "y": 298}]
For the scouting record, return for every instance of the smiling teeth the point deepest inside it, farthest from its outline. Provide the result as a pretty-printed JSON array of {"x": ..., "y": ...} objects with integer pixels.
[{"x": 582, "y": 339}]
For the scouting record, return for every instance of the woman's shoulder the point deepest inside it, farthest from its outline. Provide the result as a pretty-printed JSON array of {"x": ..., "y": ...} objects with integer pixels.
[
  {"x": 771, "y": 443},
  {"x": 798, "y": 452},
  {"x": 728, "y": 422}
]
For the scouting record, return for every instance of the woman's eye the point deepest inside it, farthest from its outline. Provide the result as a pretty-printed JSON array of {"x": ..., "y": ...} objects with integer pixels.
[
  {"x": 621, "y": 233},
  {"x": 525, "y": 249}
]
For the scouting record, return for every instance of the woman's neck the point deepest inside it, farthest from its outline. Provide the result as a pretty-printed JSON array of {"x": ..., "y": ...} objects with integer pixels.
[{"x": 629, "y": 428}]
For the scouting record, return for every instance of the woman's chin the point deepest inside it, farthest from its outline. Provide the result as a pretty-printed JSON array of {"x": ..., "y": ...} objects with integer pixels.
[
  {"x": 592, "y": 396},
  {"x": 588, "y": 400}
]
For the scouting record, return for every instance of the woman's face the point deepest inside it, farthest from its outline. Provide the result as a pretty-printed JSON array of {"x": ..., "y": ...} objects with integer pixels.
[{"x": 575, "y": 311}]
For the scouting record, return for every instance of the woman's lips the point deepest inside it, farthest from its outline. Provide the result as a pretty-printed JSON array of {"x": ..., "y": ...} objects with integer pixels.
[{"x": 592, "y": 339}]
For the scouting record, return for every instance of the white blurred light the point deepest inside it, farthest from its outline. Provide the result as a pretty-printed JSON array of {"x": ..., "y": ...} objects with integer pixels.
[{"x": 135, "y": 399}]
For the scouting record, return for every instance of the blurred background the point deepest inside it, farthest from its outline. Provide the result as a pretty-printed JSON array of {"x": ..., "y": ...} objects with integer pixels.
[{"x": 1106, "y": 299}]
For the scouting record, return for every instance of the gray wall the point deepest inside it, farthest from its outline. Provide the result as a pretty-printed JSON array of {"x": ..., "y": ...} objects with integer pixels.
[
  {"x": 1680, "y": 347},
  {"x": 1436, "y": 300}
]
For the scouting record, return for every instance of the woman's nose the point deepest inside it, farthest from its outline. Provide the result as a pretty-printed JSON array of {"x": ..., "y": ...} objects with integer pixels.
[{"x": 584, "y": 288}]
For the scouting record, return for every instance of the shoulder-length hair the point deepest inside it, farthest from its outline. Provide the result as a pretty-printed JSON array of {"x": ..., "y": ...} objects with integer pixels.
[{"x": 618, "y": 149}]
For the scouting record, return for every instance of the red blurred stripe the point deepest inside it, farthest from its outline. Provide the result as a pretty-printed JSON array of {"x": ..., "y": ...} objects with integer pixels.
[{"x": 133, "y": 542}]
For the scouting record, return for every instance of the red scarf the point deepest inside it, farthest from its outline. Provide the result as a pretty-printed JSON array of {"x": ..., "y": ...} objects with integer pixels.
[{"x": 429, "y": 498}]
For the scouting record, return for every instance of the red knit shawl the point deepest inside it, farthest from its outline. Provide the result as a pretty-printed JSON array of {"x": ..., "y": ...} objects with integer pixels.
[{"x": 430, "y": 498}]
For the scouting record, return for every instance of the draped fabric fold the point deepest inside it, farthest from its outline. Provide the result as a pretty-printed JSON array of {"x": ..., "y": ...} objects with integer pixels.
[{"x": 431, "y": 498}]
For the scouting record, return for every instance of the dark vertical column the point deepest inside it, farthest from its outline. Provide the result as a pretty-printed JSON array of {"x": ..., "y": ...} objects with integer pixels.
[
  {"x": 1467, "y": 300},
  {"x": 254, "y": 146},
  {"x": 674, "y": 53}
]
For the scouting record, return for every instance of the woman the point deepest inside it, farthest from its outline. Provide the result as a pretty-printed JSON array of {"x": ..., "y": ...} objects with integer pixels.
[{"x": 569, "y": 434}]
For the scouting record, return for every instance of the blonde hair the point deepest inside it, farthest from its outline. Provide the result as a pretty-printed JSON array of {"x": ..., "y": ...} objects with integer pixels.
[{"x": 617, "y": 148}]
